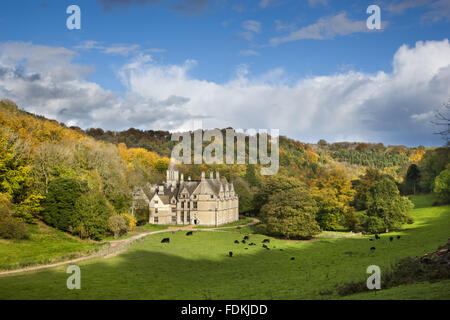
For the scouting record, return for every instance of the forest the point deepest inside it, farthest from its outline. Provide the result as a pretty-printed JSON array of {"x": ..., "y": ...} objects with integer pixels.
[{"x": 81, "y": 181}]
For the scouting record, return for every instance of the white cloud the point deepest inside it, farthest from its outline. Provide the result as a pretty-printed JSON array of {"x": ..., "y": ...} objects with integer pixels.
[
  {"x": 252, "y": 25},
  {"x": 247, "y": 53},
  {"x": 389, "y": 107},
  {"x": 324, "y": 28},
  {"x": 116, "y": 49}
]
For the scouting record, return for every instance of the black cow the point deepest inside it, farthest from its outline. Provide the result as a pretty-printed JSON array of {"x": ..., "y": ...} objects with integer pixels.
[
  {"x": 252, "y": 244},
  {"x": 264, "y": 246},
  {"x": 370, "y": 239},
  {"x": 292, "y": 258},
  {"x": 391, "y": 238},
  {"x": 189, "y": 233},
  {"x": 266, "y": 241},
  {"x": 236, "y": 241},
  {"x": 246, "y": 238},
  {"x": 165, "y": 240},
  {"x": 372, "y": 249},
  {"x": 246, "y": 248},
  {"x": 243, "y": 241},
  {"x": 377, "y": 237},
  {"x": 230, "y": 254},
  {"x": 398, "y": 237}
]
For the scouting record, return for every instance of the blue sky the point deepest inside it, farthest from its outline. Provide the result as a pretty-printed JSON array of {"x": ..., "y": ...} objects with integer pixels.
[{"x": 248, "y": 64}]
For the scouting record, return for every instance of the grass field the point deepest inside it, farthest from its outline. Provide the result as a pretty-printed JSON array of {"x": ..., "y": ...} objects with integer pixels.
[
  {"x": 198, "y": 267},
  {"x": 46, "y": 245}
]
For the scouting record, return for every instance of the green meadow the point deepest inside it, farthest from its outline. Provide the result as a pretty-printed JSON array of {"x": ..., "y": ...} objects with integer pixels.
[{"x": 198, "y": 267}]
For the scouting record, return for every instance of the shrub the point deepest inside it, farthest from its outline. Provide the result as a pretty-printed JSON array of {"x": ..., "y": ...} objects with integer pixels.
[
  {"x": 11, "y": 228},
  {"x": 118, "y": 225},
  {"x": 131, "y": 221}
]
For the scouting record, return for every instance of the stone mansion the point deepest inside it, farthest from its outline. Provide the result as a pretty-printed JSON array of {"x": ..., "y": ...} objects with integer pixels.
[{"x": 210, "y": 201}]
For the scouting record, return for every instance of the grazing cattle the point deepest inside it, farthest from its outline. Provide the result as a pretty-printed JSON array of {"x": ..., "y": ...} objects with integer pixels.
[
  {"x": 230, "y": 254},
  {"x": 281, "y": 249},
  {"x": 264, "y": 246},
  {"x": 370, "y": 239},
  {"x": 292, "y": 258},
  {"x": 372, "y": 249},
  {"x": 246, "y": 238},
  {"x": 391, "y": 238},
  {"x": 190, "y": 233},
  {"x": 236, "y": 241},
  {"x": 246, "y": 248},
  {"x": 377, "y": 237},
  {"x": 266, "y": 241},
  {"x": 165, "y": 240},
  {"x": 243, "y": 241},
  {"x": 398, "y": 237}
]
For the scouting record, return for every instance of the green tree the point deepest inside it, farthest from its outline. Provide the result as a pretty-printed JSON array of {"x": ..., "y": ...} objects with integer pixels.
[
  {"x": 387, "y": 209},
  {"x": 92, "y": 212},
  {"x": 275, "y": 184},
  {"x": 59, "y": 206},
  {"x": 412, "y": 177},
  {"x": 291, "y": 214},
  {"x": 431, "y": 165},
  {"x": 371, "y": 176},
  {"x": 442, "y": 185}
]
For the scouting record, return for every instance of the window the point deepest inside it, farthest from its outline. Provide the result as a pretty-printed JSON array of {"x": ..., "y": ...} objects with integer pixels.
[
  {"x": 156, "y": 210},
  {"x": 189, "y": 217},
  {"x": 182, "y": 204},
  {"x": 156, "y": 201},
  {"x": 174, "y": 219},
  {"x": 212, "y": 196},
  {"x": 174, "y": 209},
  {"x": 155, "y": 219},
  {"x": 195, "y": 205}
]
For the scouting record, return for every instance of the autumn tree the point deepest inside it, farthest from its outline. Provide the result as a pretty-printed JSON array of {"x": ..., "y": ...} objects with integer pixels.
[
  {"x": 333, "y": 193},
  {"x": 291, "y": 214}
]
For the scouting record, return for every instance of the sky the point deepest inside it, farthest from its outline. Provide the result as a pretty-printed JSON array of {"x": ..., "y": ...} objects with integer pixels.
[{"x": 310, "y": 68}]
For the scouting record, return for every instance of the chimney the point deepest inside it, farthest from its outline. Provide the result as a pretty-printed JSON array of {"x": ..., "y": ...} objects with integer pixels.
[
  {"x": 211, "y": 175},
  {"x": 189, "y": 178},
  {"x": 161, "y": 190},
  {"x": 203, "y": 175},
  {"x": 217, "y": 175},
  {"x": 182, "y": 178}
]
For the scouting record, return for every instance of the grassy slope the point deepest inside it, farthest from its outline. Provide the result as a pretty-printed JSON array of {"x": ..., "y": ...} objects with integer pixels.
[
  {"x": 198, "y": 267},
  {"x": 45, "y": 245}
]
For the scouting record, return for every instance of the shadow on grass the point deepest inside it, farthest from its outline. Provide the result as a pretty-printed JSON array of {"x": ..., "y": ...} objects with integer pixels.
[{"x": 199, "y": 267}]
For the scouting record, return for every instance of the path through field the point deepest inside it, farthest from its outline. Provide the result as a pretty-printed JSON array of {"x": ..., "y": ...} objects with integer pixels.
[{"x": 119, "y": 246}]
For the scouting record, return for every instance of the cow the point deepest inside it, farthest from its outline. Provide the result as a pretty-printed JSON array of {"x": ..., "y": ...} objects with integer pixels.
[
  {"x": 264, "y": 246},
  {"x": 391, "y": 238},
  {"x": 372, "y": 249},
  {"x": 236, "y": 241},
  {"x": 252, "y": 244},
  {"x": 377, "y": 237},
  {"x": 246, "y": 238},
  {"x": 230, "y": 254},
  {"x": 243, "y": 241},
  {"x": 189, "y": 233},
  {"x": 398, "y": 237},
  {"x": 292, "y": 258},
  {"x": 266, "y": 241},
  {"x": 165, "y": 240}
]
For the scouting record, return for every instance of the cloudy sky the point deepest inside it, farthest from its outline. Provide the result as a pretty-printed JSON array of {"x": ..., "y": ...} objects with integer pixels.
[{"x": 310, "y": 68}]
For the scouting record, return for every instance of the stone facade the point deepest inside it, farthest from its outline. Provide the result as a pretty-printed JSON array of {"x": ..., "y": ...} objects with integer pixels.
[{"x": 210, "y": 201}]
